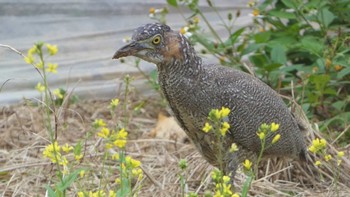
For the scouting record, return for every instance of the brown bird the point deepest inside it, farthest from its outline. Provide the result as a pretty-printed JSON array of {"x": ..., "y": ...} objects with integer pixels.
[{"x": 194, "y": 88}]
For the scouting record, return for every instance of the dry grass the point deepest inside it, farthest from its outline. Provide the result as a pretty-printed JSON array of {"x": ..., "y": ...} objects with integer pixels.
[{"x": 24, "y": 172}]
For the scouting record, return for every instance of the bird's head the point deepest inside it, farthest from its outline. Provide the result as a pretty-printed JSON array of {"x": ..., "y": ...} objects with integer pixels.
[{"x": 155, "y": 43}]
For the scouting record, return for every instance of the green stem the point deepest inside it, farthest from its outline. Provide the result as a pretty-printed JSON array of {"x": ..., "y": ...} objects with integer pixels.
[{"x": 263, "y": 141}]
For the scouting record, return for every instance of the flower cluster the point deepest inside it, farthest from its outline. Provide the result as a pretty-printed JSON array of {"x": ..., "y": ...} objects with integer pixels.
[
  {"x": 247, "y": 164},
  {"x": 319, "y": 146},
  {"x": 222, "y": 185},
  {"x": 128, "y": 167},
  {"x": 114, "y": 139},
  {"x": 216, "y": 117},
  {"x": 57, "y": 154},
  {"x": 158, "y": 14},
  {"x": 266, "y": 130},
  {"x": 98, "y": 193},
  {"x": 37, "y": 52}
]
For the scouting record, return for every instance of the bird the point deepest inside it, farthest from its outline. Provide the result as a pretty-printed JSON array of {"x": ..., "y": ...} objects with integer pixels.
[{"x": 193, "y": 88}]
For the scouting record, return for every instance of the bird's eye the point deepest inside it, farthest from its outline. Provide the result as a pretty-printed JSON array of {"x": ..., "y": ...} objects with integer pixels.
[{"x": 156, "y": 40}]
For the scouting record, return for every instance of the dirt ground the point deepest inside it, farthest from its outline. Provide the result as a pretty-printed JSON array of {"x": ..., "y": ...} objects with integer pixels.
[{"x": 154, "y": 138}]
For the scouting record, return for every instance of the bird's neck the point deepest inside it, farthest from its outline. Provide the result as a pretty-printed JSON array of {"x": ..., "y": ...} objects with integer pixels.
[{"x": 180, "y": 58}]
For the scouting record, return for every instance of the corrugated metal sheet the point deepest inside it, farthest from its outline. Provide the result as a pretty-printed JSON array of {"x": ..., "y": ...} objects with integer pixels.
[{"x": 87, "y": 33}]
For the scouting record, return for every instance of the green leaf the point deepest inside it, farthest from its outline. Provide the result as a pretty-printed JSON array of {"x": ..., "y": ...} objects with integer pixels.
[
  {"x": 289, "y": 3},
  {"x": 252, "y": 48},
  {"x": 312, "y": 45},
  {"x": 278, "y": 54},
  {"x": 124, "y": 190},
  {"x": 339, "y": 105},
  {"x": 77, "y": 148},
  {"x": 203, "y": 41},
  {"x": 172, "y": 2},
  {"x": 330, "y": 91},
  {"x": 343, "y": 73},
  {"x": 246, "y": 186},
  {"x": 282, "y": 14},
  {"x": 320, "y": 81},
  {"x": 233, "y": 37},
  {"x": 272, "y": 67},
  {"x": 68, "y": 180},
  {"x": 259, "y": 60},
  {"x": 325, "y": 17},
  {"x": 50, "y": 191},
  {"x": 262, "y": 37}
]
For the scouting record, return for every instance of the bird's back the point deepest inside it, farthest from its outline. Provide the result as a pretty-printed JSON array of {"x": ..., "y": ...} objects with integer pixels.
[{"x": 252, "y": 103}]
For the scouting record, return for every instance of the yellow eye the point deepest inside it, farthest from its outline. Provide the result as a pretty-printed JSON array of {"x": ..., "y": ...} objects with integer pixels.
[{"x": 156, "y": 40}]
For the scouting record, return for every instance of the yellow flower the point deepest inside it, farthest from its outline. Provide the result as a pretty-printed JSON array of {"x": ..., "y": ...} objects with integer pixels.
[
  {"x": 99, "y": 193},
  {"x": 235, "y": 195},
  {"x": 29, "y": 59},
  {"x": 99, "y": 123},
  {"x": 136, "y": 171},
  {"x": 120, "y": 143},
  {"x": 78, "y": 157},
  {"x": 195, "y": 20},
  {"x": 227, "y": 189},
  {"x": 317, "y": 145},
  {"x": 261, "y": 135},
  {"x": 81, "y": 194},
  {"x": 224, "y": 128},
  {"x": 225, "y": 179},
  {"x": 66, "y": 148},
  {"x": 32, "y": 50},
  {"x": 39, "y": 65},
  {"x": 251, "y": 3},
  {"x": 318, "y": 163},
  {"x": 104, "y": 133},
  {"x": 122, "y": 134},
  {"x": 52, "y": 49},
  {"x": 233, "y": 148},
  {"x": 109, "y": 146},
  {"x": 135, "y": 163},
  {"x": 114, "y": 103},
  {"x": 40, "y": 87},
  {"x": 276, "y": 138},
  {"x": 274, "y": 127},
  {"x": 82, "y": 173},
  {"x": 152, "y": 10},
  {"x": 215, "y": 114},
  {"x": 54, "y": 147},
  {"x": 63, "y": 161},
  {"x": 339, "y": 162},
  {"x": 184, "y": 30},
  {"x": 247, "y": 164},
  {"x": 256, "y": 12},
  {"x": 58, "y": 93},
  {"x": 338, "y": 67},
  {"x": 341, "y": 154},
  {"x": 115, "y": 156},
  {"x": 207, "y": 127},
  {"x": 327, "y": 157},
  {"x": 264, "y": 127},
  {"x": 118, "y": 181},
  {"x": 224, "y": 112},
  {"x": 112, "y": 193},
  {"x": 52, "y": 68}
]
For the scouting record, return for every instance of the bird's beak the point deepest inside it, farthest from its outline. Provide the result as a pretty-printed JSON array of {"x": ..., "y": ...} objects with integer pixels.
[{"x": 128, "y": 50}]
